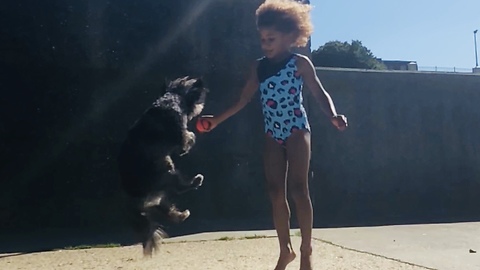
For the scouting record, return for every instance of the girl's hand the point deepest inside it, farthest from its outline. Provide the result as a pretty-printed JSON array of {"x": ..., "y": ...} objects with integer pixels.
[
  {"x": 212, "y": 120},
  {"x": 340, "y": 122}
]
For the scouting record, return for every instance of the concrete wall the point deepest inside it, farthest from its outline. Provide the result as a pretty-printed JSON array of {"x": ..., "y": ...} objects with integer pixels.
[{"x": 411, "y": 152}]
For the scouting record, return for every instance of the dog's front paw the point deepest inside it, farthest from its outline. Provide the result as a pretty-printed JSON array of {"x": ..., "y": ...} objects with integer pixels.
[
  {"x": 197, "y": 181},
  {"x": 189, "y": 142}
]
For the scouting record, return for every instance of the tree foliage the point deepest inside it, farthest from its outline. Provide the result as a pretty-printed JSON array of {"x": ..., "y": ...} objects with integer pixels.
[{"x": 345, "y": 55}]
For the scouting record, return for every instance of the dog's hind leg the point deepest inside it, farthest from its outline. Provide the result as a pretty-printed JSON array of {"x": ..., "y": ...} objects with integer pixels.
[
  {"x": 160, "y": 208},
  {"x": 178, "y": 216},
  {"x": 157, "y": 205}
]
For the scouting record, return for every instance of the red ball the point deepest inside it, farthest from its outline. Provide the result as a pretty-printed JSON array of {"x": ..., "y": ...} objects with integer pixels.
[{"x": 203, "y": 124}]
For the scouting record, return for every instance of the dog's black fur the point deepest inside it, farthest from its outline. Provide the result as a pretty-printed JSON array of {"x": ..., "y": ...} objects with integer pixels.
[{"x": 147, "y": 171}]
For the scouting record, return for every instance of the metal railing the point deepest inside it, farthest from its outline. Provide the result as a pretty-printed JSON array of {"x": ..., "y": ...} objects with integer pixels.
[{"x": 445, "y": 69}]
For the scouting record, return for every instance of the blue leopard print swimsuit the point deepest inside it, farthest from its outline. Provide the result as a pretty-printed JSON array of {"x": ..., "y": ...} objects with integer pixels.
[{"x": 281, "y": 97}]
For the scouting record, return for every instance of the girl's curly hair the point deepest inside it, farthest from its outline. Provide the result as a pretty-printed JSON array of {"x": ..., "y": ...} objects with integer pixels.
[{"x": 286, "y": 16}]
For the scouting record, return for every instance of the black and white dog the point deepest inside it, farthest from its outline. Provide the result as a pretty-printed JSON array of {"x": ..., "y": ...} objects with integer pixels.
[{"x": 147, "y": 171}]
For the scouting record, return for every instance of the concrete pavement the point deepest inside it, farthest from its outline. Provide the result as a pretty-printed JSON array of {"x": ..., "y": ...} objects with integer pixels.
[{"x": 435, "y": 246}]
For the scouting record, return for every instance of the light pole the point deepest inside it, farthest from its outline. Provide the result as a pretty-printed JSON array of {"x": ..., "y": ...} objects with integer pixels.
[{"x": 475, "y": 41}]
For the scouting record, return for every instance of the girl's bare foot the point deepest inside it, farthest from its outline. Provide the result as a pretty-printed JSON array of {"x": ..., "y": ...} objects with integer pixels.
[
  {"x": 306, "y": 259},
  {"x": 284, "y": 259}
]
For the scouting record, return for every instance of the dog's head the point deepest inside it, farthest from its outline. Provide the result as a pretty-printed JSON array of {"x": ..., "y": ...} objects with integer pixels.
[{"x": 191, "y": 92}]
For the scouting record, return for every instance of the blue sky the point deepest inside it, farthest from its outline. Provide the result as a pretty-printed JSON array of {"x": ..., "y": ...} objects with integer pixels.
[{"x": 433, "y": 33}]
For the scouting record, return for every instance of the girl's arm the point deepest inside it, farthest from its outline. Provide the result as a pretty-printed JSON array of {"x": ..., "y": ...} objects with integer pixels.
[
  {"x": 311, "y": 80},
  {"x": 246, "y": 95}
]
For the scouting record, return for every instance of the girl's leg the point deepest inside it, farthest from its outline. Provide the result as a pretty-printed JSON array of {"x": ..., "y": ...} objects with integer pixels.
[
  {"x": 298, "y": 156},
  {"x": 275, "y": 172}
]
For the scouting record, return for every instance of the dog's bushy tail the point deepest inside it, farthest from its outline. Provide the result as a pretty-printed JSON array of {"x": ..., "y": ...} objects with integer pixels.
[
  {"x": 153, "y": 239},
  {"x": 153, "y": 211}
]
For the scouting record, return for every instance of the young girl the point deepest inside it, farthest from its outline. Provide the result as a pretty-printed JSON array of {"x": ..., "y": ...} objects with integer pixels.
[{"x": 280, "y": 76}]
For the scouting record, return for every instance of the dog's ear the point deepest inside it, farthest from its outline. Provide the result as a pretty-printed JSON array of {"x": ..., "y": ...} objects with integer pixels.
[
  {"x": 193, "y": 94},
  {"x": 195, "y": 97},
  {"x": 197, "y": 88},
  {"x": 198, "y": 83}
]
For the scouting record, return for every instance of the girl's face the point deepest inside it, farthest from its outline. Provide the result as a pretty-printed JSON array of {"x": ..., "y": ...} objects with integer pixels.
[{"x": 275, "y": 44}]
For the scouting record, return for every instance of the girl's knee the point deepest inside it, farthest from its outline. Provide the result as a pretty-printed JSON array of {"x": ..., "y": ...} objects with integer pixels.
[
  {"x": 299, "y": 189},
  {"x": 276, "y": 189}
]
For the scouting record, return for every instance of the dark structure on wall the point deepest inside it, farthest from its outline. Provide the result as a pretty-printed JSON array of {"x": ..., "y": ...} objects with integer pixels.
[{"x": 400, "y": 65}]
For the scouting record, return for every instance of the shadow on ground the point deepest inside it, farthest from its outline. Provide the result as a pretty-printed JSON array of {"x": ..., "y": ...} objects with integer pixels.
[
  {"x": 42, "y": 240},
  {"x": 51, "y": 239}
]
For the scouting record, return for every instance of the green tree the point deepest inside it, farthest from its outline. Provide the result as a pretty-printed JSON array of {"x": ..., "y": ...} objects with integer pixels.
[{"x": 345, "y": 55}]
